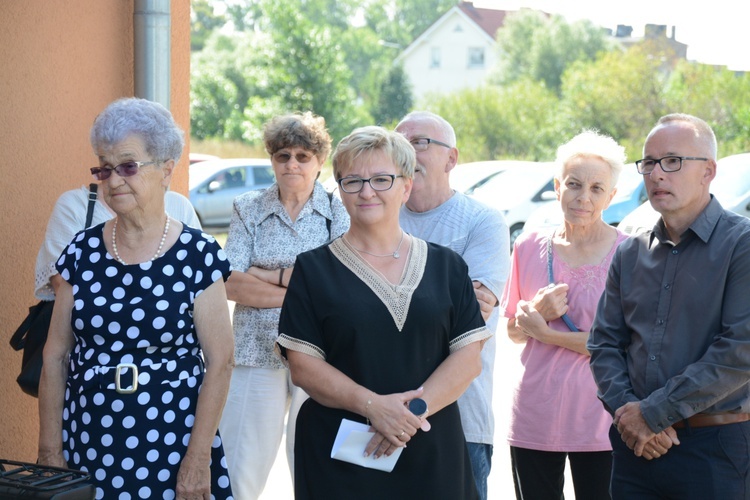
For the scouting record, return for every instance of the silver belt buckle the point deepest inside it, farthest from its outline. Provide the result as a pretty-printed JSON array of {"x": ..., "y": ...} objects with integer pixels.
[{"x": 118, "y": 372}]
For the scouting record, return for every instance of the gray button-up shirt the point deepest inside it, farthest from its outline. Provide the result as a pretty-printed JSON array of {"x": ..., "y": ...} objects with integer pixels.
[{"x": 672, "y": 329}]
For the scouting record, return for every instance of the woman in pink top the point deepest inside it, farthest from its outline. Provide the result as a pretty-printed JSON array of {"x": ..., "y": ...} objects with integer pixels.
[{"x": 556, "y": 414}]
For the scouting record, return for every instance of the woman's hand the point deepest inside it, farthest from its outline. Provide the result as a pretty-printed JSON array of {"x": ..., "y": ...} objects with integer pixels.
[
  {"x": 487, "y": 300},
  {"x": 392, "y": 421},
  {"x": 551, "y": 301},
  {"x": 530, "y": 321},
  {"x": 193, "y": 480}
]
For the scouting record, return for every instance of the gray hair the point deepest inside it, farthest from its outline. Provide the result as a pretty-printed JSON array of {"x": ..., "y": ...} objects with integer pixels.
[
  {"x": 703, "y": 131},
  {"x": 366, "y": 140},
  {"x": 149, "y": 120},
  {"x": 591, "y": 143},
  {"x": 449, "y": 134}
]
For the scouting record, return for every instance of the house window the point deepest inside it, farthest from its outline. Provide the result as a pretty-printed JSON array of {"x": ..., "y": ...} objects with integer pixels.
[
  {"x": 435, "y": 57},
  {"x": 476, "y": 57}
]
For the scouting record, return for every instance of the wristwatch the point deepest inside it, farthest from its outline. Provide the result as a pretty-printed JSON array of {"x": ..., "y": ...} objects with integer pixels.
[{"x": 418, "y": 406}]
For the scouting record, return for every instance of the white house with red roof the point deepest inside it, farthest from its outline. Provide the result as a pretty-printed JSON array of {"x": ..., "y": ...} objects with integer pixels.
[{"x": 455, "y": 52}]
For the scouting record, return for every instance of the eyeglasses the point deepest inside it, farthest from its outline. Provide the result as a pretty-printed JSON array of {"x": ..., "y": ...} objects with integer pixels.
[
  {"x": 667, "y": 163},
  {"x": 284, "y": 157},
  {"x": 422, "y": 143},
  {"x": 127, "y": 169},
  {"x": 382, "y": 182}
]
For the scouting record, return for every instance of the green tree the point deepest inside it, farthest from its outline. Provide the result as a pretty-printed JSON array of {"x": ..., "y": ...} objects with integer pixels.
[
  {"x": 401, "y": 21},
  {"x": 246, "y": 16},
  {"x": 491, "y": 122},
  {"x": 202, "y": 23},
  {"x": 394, "y": 99},
  {"x": 719, "y": 96},
  {"x": 224, "y": 76},
  {"x": 366, "y": 60},
  {"x": 620, "y": 94},
  {"x": 305, "y": 69},
  {"x": 540, "y": 47}
]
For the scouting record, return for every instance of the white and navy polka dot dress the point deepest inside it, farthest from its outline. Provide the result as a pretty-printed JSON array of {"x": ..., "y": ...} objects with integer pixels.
[{"x": 132, "y": 444}]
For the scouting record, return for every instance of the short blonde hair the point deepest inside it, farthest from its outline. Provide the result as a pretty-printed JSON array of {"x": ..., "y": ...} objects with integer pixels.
[
  {"x": 591, "y": 143},
  {"x": 366, "y": 140},
  {"x": 301, "y": 130}
]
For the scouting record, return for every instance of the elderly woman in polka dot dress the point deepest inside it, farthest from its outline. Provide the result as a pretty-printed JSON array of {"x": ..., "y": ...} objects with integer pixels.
[{"x": 140, "y": 349}]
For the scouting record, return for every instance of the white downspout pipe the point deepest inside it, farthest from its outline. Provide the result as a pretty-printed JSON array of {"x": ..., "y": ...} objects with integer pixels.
[{"x": 153, "y": 50}]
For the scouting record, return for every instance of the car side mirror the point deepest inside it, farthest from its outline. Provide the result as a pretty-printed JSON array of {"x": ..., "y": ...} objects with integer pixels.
[{"x": 214, "y": 186}]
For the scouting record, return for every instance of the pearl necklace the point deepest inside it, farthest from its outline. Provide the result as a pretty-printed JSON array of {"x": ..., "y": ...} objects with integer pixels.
[
  {"x": 395, "y": 253},
  {"x": 158, "y": 250}
]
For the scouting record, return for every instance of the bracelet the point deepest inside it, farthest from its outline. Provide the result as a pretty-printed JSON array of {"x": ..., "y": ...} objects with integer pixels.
[
  {"x": 367, "y": 408},
  {"x": 281, "y": 276}
]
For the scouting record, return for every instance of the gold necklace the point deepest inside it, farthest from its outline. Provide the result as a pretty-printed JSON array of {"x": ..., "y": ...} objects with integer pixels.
[
  {"x": 158, "y": 250},
  {"x": 395, "y": 253}
]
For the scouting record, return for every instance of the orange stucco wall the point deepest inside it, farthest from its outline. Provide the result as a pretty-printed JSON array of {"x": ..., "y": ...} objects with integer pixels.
[{"x": 61, "y": 63}]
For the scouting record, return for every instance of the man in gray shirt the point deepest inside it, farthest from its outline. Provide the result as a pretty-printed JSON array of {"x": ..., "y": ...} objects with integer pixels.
[
  {"x": 438, "y": 214},
  {"x": 670, "y": 345}
]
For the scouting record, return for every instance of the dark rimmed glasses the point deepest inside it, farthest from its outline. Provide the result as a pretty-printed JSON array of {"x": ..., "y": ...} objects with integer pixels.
[
  {"x": 669, "y": 163},
  {"x": 284, "y": 157},
  {"x": 127, "y": 169},
  {"x": 382, "y": 182},
  {"x": 422, "y": 143}
]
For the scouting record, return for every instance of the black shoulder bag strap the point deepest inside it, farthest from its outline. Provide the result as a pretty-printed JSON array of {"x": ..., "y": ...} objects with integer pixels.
[
  {"x": 328, "y": 221},
  {"x": 92, "y": 202}
]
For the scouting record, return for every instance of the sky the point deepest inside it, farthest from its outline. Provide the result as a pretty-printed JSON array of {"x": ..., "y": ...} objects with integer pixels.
[{"x": 715, "y": 32}]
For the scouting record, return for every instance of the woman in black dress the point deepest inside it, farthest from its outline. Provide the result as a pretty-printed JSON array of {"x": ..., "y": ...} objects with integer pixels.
[
  {"x": 381, "y": 327},
  {"x": 140, "y": 313}
]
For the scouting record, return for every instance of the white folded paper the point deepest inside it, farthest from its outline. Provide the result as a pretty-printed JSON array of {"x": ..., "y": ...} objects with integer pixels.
[{"x": 350, "y": 445}]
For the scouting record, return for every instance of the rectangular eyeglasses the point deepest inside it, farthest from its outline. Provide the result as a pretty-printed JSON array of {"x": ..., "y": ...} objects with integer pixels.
[
  {"x": 667, "y": 163},
  {"x": 422, "y": 143},
  {"x": 382, "y": 182}
]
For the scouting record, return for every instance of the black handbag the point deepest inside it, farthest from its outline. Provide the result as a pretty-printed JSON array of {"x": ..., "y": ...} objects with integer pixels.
[
  {"x": 32, "y": 334},
  {"x": 25, "y": 480}
]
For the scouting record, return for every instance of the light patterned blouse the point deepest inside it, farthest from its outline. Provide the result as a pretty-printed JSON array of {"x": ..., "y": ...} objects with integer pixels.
[{"x": 262, "y": 234}]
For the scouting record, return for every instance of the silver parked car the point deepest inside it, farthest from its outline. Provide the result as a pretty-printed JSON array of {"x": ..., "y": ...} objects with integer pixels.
[
  {"x": 521, "y": 188},
  {"x": 214, "y": 184}
]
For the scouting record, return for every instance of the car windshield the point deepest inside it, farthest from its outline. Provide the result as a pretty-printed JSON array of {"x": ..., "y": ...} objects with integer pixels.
[
  {"x": 513, "y": 186},
  {"x": 628, "y": 182}
]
